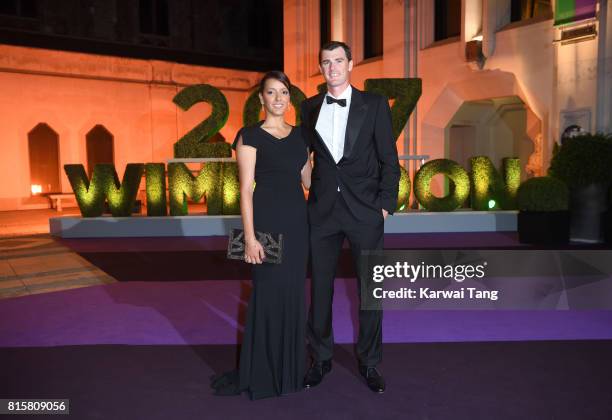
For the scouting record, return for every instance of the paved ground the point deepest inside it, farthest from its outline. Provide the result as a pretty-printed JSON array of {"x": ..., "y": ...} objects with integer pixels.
[
  {"x": 29, "y": 222},
  {"x": 38, "y": 264},
  {"x": 32, "y": 262},
  {"x": 16, "y": 223}
]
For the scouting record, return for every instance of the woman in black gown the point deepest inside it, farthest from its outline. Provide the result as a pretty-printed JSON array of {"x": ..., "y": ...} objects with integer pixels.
[{"x": 272, "y": 154}]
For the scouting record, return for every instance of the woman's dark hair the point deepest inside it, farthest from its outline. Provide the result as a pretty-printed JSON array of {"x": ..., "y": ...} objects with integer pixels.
[
  {"x": 332, "y": 45},
  {"x": 277, "y": 75}
]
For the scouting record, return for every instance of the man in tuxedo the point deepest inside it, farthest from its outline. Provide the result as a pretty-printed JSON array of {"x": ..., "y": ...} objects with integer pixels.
[{"x": 354, "y": 187}]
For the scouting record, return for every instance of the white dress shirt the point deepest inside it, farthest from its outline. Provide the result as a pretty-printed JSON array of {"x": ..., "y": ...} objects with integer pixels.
[{"x": 331, "y": 124}]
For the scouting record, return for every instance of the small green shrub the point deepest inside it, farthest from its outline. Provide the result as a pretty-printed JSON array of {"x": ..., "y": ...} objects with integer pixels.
[
  {"x": 583, "y": 160},
  {"x": 543, "y": 193}
]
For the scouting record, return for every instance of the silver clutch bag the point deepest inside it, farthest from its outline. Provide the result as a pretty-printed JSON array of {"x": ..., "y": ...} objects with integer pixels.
[{"x": 272, "y": 244}]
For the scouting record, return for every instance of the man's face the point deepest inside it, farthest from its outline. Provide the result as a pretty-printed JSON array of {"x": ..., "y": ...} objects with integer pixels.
[{"x": 335, "y": 67}]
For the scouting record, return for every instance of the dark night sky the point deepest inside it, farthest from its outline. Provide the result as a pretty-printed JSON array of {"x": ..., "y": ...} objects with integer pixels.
[{"x": 222, "y": 33}]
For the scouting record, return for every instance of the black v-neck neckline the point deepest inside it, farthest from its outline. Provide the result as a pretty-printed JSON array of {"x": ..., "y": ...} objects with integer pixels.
[{"x": 277, "y": 138}]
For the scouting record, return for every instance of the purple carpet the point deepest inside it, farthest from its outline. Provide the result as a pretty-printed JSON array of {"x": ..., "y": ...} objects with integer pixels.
[
  {"x": 212, "y": 312},
  {"x": 184, "y": 291},
  {"x": 144, "y": 347}
]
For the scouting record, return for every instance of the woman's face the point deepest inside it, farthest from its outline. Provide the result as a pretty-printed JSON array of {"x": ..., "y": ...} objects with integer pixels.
[{"x": 275, "y": 97}]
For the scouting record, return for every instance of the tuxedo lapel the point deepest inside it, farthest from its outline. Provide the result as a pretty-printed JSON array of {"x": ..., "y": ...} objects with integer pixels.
[
  {"x": 314, "y": 116},
  {"x": 356, "y": 117},
  {"x": 316, "y": 109}
]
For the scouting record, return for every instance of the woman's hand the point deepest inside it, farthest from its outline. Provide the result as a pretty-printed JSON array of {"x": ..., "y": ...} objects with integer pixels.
[
  {"x": 254, "y": 252},
  {"x": 247, "y": 156},
  {"x": 306, "y": 172}
]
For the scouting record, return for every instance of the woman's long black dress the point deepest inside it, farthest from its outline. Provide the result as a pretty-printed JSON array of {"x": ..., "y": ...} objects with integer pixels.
[{"x": 272, "y": 359}]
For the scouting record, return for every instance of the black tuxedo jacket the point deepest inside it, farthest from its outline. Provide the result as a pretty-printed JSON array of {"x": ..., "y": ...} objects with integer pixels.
[{"x": 368, "y": 173}]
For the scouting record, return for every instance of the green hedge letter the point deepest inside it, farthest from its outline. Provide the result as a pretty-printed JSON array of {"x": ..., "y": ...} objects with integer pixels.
[
  {"x": 104, "y": 184},
  {"x": 195, "y": 143},
  {"x": 459, "y": 185},
  {"x": 207, "y": 184},
  {"x": 403, "y": 196},
  {"x": 231, "y": 188},
  {"x": 155, "y": 175},
  {"x": 488, "y": 184},
  {"x": 406, "y": 93}
]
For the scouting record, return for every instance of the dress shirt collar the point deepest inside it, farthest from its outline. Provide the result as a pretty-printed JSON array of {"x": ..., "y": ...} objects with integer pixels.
[{"x": 346, "y": 94}]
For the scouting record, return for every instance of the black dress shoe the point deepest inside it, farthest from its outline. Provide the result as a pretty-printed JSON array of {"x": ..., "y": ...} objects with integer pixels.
[
  {"x": 374, "y": 379},
  {"x": 315, "y": 374}
]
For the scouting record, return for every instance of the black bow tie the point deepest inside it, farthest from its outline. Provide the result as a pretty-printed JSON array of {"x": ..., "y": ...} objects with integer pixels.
[{"x": 330, "y": 100}]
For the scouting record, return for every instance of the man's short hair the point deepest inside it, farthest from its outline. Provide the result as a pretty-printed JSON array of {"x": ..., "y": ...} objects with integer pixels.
[{"x": 332, "y": 45}]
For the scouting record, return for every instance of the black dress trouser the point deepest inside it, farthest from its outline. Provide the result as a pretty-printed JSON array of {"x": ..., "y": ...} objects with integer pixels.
[{"x": 325, "y": 245}]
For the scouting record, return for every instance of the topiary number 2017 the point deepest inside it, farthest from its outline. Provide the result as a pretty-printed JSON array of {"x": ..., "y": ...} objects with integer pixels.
[{"x": 196, "y": 144}]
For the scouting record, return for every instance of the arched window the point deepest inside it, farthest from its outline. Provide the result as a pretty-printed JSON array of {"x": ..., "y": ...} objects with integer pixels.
[
  {"x": 43, "y": 150},
  {"x": 99, "y": 143}
]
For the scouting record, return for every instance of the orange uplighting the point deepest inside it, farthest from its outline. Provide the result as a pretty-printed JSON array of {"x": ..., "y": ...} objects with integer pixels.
[{"x": 36, "y": 189}]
